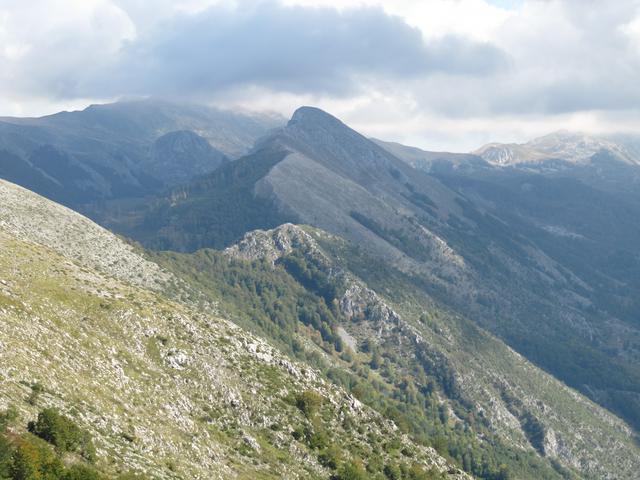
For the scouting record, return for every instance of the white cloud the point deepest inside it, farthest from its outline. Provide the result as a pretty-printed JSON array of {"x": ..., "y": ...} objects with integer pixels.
[
  {"x": 48, "y": 43},
  {"x": 475, "y": 19}
]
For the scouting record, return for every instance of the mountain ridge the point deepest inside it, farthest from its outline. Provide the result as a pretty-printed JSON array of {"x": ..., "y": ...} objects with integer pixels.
[
  {"x": 112, "y": 152},
  {"x": 478, "y": 238}
]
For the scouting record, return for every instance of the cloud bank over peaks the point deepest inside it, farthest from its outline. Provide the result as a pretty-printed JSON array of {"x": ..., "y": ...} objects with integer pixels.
[
  {"x": 454, "y": 70},
  {"x": 284, "y": 48}
]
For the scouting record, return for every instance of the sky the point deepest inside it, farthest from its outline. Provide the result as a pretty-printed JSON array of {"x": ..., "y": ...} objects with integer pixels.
[{"x": 437, "y": 74}]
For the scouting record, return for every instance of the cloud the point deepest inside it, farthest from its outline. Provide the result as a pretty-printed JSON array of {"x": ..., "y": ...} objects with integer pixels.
[
  {"x": 47, "y": 45},
  {"x": 474, "y": 19},
  {"x": 442, "y": 69},
  {"x": 571, "y": 56},
  {"x": 285, "y": 48}
]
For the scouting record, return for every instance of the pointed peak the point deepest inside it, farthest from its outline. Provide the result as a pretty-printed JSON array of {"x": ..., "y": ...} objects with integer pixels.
[{"x": 305, "y": 115}]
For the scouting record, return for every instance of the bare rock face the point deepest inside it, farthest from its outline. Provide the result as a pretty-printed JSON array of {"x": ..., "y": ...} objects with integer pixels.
[
  {"x": 359, "y": 301},
  {"x": 271, "y": 244}
]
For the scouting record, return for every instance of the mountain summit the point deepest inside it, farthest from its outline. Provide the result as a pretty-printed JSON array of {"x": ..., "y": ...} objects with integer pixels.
[{"x": 313, "y": 116}]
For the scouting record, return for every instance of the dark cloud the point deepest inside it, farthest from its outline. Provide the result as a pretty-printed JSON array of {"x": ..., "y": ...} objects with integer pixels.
[{"x": 290, "y": 49}]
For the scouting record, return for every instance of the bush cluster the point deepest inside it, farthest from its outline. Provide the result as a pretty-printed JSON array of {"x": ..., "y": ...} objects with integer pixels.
[{"x": 38, "y": 454}]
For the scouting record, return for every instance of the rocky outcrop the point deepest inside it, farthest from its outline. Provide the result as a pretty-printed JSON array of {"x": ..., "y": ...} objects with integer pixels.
[
  {"x": 271, "y": 245},
  {"x": 359, "y": 302}
]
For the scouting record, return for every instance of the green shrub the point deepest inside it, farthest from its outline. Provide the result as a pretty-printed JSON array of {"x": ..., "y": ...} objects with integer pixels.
[
  {"x": 81, "y": 472},
  {"x": 309, "y": 402},
  {"x": 318, "y": 439},
  {"x": 6, "y": 417},
  {"x": 330, "y": 457},
  {"x": 36, "y": 390},
  {"x": 298, "y": 433},
  {"x": 5, "y": 457},
  {"x": 353, "y": 470},
  {"x": 33, "y": 459},
  {"x": 392, "y": 471},
  {"x": 131, "y": 476},
  {"x": 63, "y": 433}
]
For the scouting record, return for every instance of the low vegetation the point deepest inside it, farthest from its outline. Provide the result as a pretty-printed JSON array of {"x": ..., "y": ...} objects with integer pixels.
[{"x": 53, "y": 448}]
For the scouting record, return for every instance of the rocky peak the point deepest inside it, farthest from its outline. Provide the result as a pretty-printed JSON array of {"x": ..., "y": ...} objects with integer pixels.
[
  {"x": 314, "y": 117},
  {"x": 358, "y": 301},
  {"x": 325, "y": 139}
]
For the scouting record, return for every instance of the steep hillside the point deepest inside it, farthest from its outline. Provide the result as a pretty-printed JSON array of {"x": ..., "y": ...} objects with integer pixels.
[
  {"x": 572, "y": 234},
  {"x": 122, "y": 150},
  {"x": 442, "y": 379},
  {"x": 164, "y": 389}
]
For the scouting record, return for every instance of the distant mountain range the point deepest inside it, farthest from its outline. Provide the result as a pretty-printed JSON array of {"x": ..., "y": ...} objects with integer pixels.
[
  {"x": 566, "y": 146},
  {"x": 435, "y": 252},
  {"x": 126, "y": 149}
]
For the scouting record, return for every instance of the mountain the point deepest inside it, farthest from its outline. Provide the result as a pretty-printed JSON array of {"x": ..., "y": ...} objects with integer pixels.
[
  {"x": 122, "y": 150},
  {"x": 607, "y": 163},
  {"x": 315, "y": 170},
  {"x": 162, "y": 388},
  {"x": 536, "y": 259},
  {"x": 433, "y": 161},
  {"x": 412, "y": 261},
  {"x": 178, "y": 156},
  {"x": 574, "y": 148}
]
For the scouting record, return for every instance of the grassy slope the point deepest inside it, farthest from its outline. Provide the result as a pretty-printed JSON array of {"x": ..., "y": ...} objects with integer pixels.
[{"x": 164, "y": 389}]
